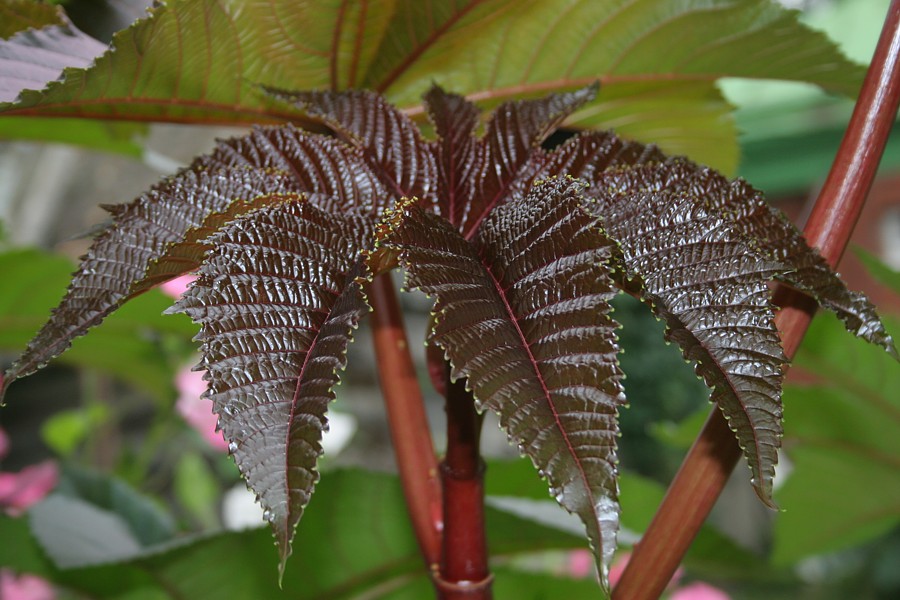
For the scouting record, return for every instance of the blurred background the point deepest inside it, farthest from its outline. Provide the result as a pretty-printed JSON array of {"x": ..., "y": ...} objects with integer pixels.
[{"x": 125, "y": 404}]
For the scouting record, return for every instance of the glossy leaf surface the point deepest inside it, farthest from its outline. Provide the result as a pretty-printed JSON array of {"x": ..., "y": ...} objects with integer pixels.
[
  {"x": 697, "y": 273},
  {"x": 766, "y": 229},
  {"x": 118, "y": 264},
  {"x": 522, "y": 267},
  {"x": 277, "y": 301},
  {"x": 163, "y": 69},
  {"x": 521, "y": 312}
]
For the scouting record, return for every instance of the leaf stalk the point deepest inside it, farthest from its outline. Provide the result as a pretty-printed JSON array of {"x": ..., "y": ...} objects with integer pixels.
[
  {"x": 410, "y": 433},
  {"x": 715, "y": 453},
  {"x": 464, "y": 559}
]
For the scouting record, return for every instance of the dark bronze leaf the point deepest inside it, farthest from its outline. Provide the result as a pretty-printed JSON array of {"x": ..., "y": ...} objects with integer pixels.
[
  {"x": 697, "y": 273},
  {"x": 333, "y": 175},
  {"x": 522, "y": 312},
  {"x": 768, "y": 230},
  {"x": 391, "y": 144},
  {"x": 277, "y": 299}
]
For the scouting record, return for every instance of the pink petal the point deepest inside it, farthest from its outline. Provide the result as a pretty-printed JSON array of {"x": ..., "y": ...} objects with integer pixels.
[
  {"x": 176, "y": 287},
  {"x": 20, "y": 490},
  {"x": 699, "y": 591},
  {"x": 24, "y": 587},
  {"x": 581, "y": 563},
  {"x": 195, "y": 410}
]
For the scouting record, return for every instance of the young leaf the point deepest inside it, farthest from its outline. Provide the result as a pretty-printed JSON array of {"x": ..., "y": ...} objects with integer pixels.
[
  {"x": 277, "y": 300},
  {"x": 697, "y": 273},
  {"x": 522, "y": 313},
  {"x": 332, "y": 175},
  {"x": 391, "y": 144}
]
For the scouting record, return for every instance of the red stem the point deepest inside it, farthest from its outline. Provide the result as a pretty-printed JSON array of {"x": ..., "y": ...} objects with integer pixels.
[
  {"x": 410, "y": 433},
  {"x": 715, "y": 453},
  {"x": 464, "y": 570}
]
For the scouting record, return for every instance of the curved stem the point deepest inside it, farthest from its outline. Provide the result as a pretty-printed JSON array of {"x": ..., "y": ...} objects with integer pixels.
[
  {"x": 410, "y": 433},
  {"x": 711, "y": 459}
]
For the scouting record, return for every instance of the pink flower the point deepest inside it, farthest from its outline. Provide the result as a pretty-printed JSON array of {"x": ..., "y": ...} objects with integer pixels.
[
  {"x": 24, "y": 587},
  {"x": 699, "y": 591},
  {"x": 581, "y": 563},
  {"x": 20, "y": 490},
  {"x": 176, "y": 287},
  {"x": 197, "y": 411}
]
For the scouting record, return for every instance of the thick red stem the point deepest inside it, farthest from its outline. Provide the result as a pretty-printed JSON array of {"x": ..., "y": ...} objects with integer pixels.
[
  {"x": 715, "y": 453},
  {"x": 464, "y": 570},
  {"x": 410, "y": 433}
]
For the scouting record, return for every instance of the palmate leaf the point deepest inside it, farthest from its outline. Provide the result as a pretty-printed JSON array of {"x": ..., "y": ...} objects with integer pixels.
[
  {"x": 277, "y": 300},
  {"x": 164, "y": 67},
  {"x": 521, "y": 311},
  {"x": 698, "y": 274}
]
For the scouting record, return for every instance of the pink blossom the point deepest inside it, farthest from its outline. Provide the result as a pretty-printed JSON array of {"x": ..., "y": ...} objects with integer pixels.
[
  {"x": 581, "y": 563},
  {"x": 195, "y": 410},
  {"x": 24, "y": 587},
  {"x": 20, "y": 490},
  {"x": 699, "y": 590},
  {"x": 176, "y": 287}
]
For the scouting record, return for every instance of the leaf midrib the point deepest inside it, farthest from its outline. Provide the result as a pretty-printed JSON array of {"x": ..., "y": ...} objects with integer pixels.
[{"x": 536, "y": 367}]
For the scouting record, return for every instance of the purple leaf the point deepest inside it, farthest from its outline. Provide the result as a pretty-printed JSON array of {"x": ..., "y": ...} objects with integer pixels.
[
  {"x": 277, "y": 300},
  {"x": 522, "y": 312}
]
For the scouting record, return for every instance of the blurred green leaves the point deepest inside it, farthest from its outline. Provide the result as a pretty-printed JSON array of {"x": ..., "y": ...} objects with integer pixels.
[
  {"x": 137, "y": 344},
  {"x": 842, "y": 436}
]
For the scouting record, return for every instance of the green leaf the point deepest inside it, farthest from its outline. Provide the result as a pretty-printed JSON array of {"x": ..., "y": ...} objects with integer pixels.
[
  {"x": 521, "y": 312},
  {"x": 65, "y": 430},
  {"x": 147, "y": 522},
  {"x": 884, "y": 274},
  {"x": 19, "y": 15},
  {"x": 355, "y": 540},
  {"x": 277, "y": 301},
  {"x": 162, "y": 67},
  {"x": 34, "y": 58},
  {"x": 127, "y": 345},
  {"x": 842, "y": 436},
  {"x": 197, "y": 490}
]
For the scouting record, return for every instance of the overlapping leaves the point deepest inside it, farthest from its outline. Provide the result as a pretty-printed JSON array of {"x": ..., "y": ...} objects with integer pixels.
[
  {"x": 280, "y": 221},
  {"x": 198, "y": 60},
  {"x": 522, "y": 314}
]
